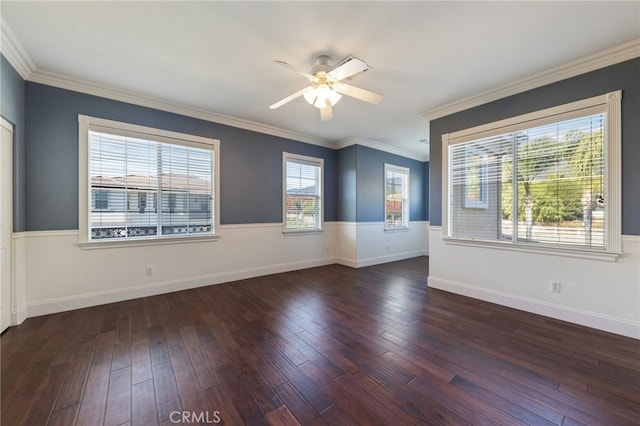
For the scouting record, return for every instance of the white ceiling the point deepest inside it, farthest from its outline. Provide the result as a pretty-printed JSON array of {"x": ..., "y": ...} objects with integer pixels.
[{"x": 218, "y": 56}]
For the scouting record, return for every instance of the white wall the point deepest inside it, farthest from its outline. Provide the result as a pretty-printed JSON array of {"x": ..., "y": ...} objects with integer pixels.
[
  {"x": 53, "y": 274},
  {"x": 599, "y": 294},
  {"x": 367, "y": 243}
]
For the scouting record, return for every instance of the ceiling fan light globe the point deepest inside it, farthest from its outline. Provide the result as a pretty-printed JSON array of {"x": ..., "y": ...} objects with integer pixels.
[
  {"x": 326, "y": 94},
  {"x": 310, "y": 95},
  {"x": 320, "y": 102},
  {"x": 334, "y": 97}
]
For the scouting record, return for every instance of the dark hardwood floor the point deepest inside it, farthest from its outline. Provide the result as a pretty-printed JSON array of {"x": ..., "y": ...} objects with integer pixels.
[{"x": 328, "y": 345}]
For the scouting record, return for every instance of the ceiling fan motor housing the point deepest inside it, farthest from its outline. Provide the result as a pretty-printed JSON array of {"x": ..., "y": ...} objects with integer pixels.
[{"x": 322, "y": 64}]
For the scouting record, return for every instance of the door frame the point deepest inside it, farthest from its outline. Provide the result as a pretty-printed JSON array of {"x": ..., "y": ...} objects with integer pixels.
[{"x": 6, "y": 317}]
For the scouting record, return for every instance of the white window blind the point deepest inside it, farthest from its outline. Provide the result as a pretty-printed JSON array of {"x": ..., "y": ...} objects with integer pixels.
[
  {"x": 396, "y": 195},
  {"x": 544, "y": 182},
  {"x": 302, "y": 192},
  {"x": 146, "y": 188}
]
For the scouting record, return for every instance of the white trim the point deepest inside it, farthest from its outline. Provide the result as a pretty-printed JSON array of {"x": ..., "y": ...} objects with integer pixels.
[
  {"x": 150, "y": 241},
  {"x": 377, "y": 260},
  {"x": 137, "y": 131},
  {"x": 370, "y": 143},
  {"x": 580, "y": 108},
  {"x": 542, "y": 249},
  {"x": 565, "y": 313},
  {"x": 18, "y": 273},
  {"x": 371, "y": 224},
  {"x": 104, "y": 91},
  {"x": 445, "y": 185},
  {"x": 613, "y": 172},
  {"x": 6, "y": 221},
  {"x": 250, "y": 225},
  {"x": 47, "y": 234},
  {"x": 4, "y": 123},
  {"x": 13, "y": 50},
  {"x": 600, "y": 60}
]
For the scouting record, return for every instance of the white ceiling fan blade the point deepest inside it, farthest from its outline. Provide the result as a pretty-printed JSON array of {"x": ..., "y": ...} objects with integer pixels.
[
  {"x": 351, "y": 67},
  {"x": 358, "y": 93},
  {"x": 296, "y": 70},
  {"x": 289, "y": 98},
  {"x": 326, "y": 113}
]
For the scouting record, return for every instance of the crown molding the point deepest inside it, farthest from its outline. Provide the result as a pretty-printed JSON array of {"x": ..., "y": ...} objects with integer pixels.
[
  {"x": 370, "y": 143},
  {"x": 104, "y": 91},
  {"x": 603, "y": 59},
  {"x": 13, "y": 50}
]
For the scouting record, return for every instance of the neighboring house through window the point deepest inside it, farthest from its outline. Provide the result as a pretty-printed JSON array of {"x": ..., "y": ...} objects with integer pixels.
[
  {"x": 303, "y": 193},
  {"x": 145, "y": 183},
  {"x": 100, "y": 199},
  {"x": 549, "y": 180}
]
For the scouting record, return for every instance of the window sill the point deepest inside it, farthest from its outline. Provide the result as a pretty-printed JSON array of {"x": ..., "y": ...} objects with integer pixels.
[
  {"x": 541, "y": 249},
  {"x": 397, "y": 229},
  {"x": 93, "y": 245},
  {"x": 294, "y": 232}
]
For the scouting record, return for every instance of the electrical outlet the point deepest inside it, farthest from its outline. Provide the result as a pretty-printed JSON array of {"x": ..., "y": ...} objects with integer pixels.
[
  {"x": 555, "y": 287},
  {"x": 148, "y": 270}
]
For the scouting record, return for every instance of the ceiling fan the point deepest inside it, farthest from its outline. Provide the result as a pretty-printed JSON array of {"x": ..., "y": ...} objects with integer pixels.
[{"x": 328, "y": 86}]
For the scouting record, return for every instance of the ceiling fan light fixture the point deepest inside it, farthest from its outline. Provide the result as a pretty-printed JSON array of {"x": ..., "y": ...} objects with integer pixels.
[
  {"x": 324, "y": 94},
  {"x": 326, "y": 87},
  {"x": 310, "y": 95}
]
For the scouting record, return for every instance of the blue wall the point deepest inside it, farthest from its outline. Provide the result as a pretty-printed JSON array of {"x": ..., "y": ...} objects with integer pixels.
[
  {"x": 361, "y": 184},
  {"x": 250, "y": 169},
  {"x": 624, "y": 76},
  {"x": 12, "y": 104},
  {"x": 347, "y": 181},
  {"x": 46, "y": 161}
]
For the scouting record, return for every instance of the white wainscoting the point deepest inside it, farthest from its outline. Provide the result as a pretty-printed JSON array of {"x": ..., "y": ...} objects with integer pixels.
[
  {"x": 597, "y": 294},
  {"x": 18, "y": 278},
  {"x": 61, "y": 276},
  {"x": 52, "y": 274},
  {"x": 367, "y": 243}
]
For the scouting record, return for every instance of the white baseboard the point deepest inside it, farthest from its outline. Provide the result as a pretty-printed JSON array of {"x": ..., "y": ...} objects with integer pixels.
[
  {"x": 5, "y": 319},
  {"x": 18, "y": 316},
  {"x": 578, "y": 316},
  {"x": 352, "y": 263},
  {"x": 117, "y": 295},
  {"x": 361, "y": 263}
]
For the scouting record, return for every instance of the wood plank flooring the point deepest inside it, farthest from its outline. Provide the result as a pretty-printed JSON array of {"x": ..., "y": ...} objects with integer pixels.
[{"x": 328, "y": 345}]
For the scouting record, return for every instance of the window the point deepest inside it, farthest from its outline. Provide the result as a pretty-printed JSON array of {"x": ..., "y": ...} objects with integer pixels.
[
  {"x": 100, "y": 199},
  {"x": 396, "y": 197},
  {"x": 546, "y": 180},
  {"x": 303, "y": 180},
  {"x": 145, "y": 184}
]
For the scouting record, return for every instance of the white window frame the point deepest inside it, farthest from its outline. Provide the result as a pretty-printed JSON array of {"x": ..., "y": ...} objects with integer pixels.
[
  {"x": 406, "y": 173},
  {"x": 87, "y": 123},
  {"x": 318, "y": 162},
  {"x": 610, "y": 104}
]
